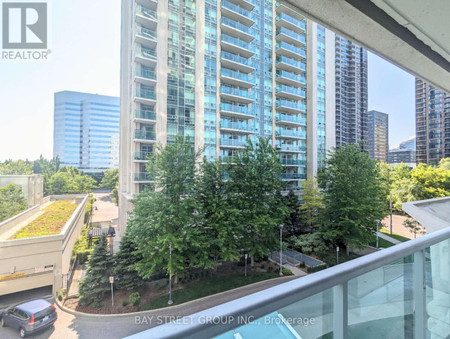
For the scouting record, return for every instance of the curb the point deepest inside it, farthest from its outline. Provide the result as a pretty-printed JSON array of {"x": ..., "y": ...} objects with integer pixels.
[{"x": 122, "y": 315}]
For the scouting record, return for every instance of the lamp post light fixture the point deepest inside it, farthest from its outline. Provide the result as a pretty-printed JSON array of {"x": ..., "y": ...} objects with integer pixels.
[
  {"x": 337, "y": 255},
  {"x": 281, "y": 249},
  {"x": 170, "y": 302},
  {"x": 378, "y": 227}
]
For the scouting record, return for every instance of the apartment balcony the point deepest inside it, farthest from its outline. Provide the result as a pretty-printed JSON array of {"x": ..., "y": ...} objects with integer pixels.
[
  {"x": 140, "y": 156},
  {"x": 144, "y": 136},
  {"x": 290, "y": 79},
  {"x": 145, "y": 96},
  {"x": 292, "y": 162},
  {"x": 236, "y": 62},
  {"x": 290, "y": 133},
  {"x": 290, "y": 148},
  {"x": 290, "y": 65},
  {"x": 234, "y": 28},
  {"x": 146, "y": 37},
  {"x": 236, "y": 78},
  {"x": 146, "y": 56},
  {"x": 290, "y": 51},
  {"x": 233, "y": 143},
  {"x": 145, "y": 116},
  {"x": 236, "y": 127},
  {"x": 290, "y": 106},
  {"x": 287, "y": 119},
  {"x": 292, "y": 176},
  {"x": 238, "y": 111},
  {"x": 286, "y": 35},
  {"x": 237, "y": 13},
  {"x": 285, "y": 20},
  {"x": 236, "y": 46},
  {"x": 292, "y": 188},
  {"x": 247, "y": 4},
  {"x": 237, "y": 94},
  {"x": 283, "y": 8},
  {"x": 142, "y": 177},
  {"x": 145, "y": 77},
  {"x": 151, "y": 4},
  {"x": 290, "y": 92},
  {"x": 146, "y": 17}
]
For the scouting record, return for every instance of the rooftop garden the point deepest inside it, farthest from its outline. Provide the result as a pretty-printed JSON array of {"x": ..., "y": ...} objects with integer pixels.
[{"x": 50, "y": 223}]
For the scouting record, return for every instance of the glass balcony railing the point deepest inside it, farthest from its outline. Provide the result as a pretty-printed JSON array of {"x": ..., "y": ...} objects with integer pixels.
[
  {"x": 148, "y": 13},
  {"x": 285, "y": 60},
  {"x": 145, "y": 94},
  {"x": 293, "y": 162},
  {"x": 236, "y": 125},
  {"x": 292, "y": 148},
  {"x": 139, "y": 155},
  {"x": 294, "y": 21},
  {"x": 237, "y": 58},
  {"x": 292, "y": 176},
  {"x": 292, "y": 48},
  {"x": 238, "y": 9},
  {"x": 238, "y": 25},
  {"x": 237, "y": 75},
  {"x": 291, "y": 90},
  {"x": 238, "y": 92},
  {"x": 292, "y": 76},
  {"x": 145, "y": 32},
  {"x": 144, "y": 135},
  {"x": 146, "y": 73},
  {"x": 144, "y": 114},
  {"x": 246, "y": 109},
  {"x": 142, "y": 176},
  {"x": 233, "y": 142},
  {"x": 146, "y": 53},
  {"x": 290, "y": 118},
  {"x": 240, "y": 43},
  {"x": 290, "y": 133},
  {"x": 292, "y": 34},
  {"x": 290, "y": 104}
]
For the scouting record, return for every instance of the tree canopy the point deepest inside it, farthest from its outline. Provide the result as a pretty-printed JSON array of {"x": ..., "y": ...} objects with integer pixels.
[
  {"x": 19, "y": 167},
  {"x": 12, "y": 201}
]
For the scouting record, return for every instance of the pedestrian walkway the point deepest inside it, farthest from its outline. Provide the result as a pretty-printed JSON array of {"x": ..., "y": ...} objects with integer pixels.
[
  {"x": 295, "y": 271},
  {"x": 388, "y": 238},
  {"x": 77, "y": 276}
]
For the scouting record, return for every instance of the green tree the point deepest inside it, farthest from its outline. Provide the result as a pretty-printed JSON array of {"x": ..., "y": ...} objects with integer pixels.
[
  {"x": 430, "y": 182},
  {"x": 168, "y": 216},
  {"x": 292, "y": 221},
  {"x": 311, "y": 211},
  {"x": 47, "y": 168},
  {"x": 19, "y": 167},
  {"x": 254, "y": 181},
  {"x": 125, "y": 265},
  {"x": 353, "y": 195},
  {"x": 445, "y": 164},
  {"x": 69, "y": 180},
  {"x": 95, "y": 285},
  {"x": 111, "y": 179},
  {"x": 12, "y": 201}
]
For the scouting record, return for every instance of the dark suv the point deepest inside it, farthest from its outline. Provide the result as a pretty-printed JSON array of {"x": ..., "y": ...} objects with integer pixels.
[{"x": 29, "y": 317}]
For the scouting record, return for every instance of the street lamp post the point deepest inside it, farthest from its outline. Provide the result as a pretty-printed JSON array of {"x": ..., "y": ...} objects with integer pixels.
[
  {"x": 378, "y": 227},
  {"x": 337, "y": 255},
  {"x": 281, "y": 249},
  {"x": 170, "y": 302}
]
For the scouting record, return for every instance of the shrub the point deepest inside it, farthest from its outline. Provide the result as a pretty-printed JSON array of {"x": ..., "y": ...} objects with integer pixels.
[
  {"x": 61, "y": 294},
  {"x": 81, "y": 248},
  {"x": 124, "y": 302},
  {"x": 134, "y": 298},
  {"x": 97, "y": 305},
  {"x": 310, "y": 243},
  {"x": 302, "y": 264},
  {"x": 318, "y": 268},
  {"x": 286, "y": 271}
]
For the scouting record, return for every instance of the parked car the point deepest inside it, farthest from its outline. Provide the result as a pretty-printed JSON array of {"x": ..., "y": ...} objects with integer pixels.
[{"x": 29, "y": 317}]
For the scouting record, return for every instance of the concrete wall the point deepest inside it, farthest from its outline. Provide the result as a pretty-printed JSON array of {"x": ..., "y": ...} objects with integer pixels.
[
  {"x": 44, "y": 260},
  {"x": 32, "y": 186}
]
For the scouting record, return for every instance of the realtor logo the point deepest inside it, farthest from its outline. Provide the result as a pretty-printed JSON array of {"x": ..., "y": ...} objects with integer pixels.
[{"x": 24, "y": 25}]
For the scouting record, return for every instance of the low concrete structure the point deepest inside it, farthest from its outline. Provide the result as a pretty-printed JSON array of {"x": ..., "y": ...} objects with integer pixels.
[
  {"x": 32, "y": 186},
  {"x": 39, "y": 261},
  {"x": 433, "y": 214}
]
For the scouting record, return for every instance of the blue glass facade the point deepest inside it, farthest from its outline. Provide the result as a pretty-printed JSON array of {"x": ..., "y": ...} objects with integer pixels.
[{"x": 86, "y": 131}]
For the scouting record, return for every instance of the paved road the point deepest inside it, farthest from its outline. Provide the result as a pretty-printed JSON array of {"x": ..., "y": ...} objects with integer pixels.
[{"x": 68, "y": 326}]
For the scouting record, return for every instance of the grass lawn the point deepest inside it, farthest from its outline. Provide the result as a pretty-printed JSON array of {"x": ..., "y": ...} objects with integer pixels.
[
  {"x": 51, "y": 222},
  {"x": 203, "y": 288},
  {"x": 381, "y": 242},
  {"x": 395, "y": 236}
]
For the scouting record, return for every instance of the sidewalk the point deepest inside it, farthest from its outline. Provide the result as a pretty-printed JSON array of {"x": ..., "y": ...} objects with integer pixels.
[{"x": 388, "y": 238}]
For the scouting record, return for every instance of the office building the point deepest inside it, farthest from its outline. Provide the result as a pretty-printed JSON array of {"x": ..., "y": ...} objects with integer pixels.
[
  {"x": 432, "y": 123},
  {"x": 409, "y": 144},
  {"x": 351, "y": 92},
  {"x": 86, "y": 131},
  {"x": 398, "y": 156},
  {"x": 220, "y": 73},
  {"x": 377, "y": 139}
]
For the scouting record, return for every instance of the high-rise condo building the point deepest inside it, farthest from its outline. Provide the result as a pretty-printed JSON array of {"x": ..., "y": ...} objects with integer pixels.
[
  {"x": 377, "y": 140},
  {"x": 351, "y": 92},
  {"x": 432, "y": 123},
  {"x": 86, "y": 131},
  {"x": 219, "y": 73}
]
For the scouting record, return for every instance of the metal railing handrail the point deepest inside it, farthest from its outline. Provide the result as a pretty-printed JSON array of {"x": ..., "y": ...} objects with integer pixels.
[{"x": 261, "y": 303}]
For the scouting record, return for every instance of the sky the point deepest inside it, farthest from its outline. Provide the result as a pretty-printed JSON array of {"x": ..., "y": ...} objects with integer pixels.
[{"x": 84, "y": 38}]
